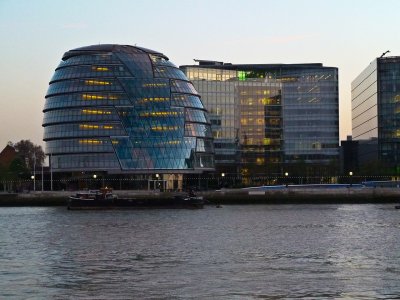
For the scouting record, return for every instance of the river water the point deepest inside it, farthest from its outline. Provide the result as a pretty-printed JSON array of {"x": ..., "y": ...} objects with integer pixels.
[{"x": 233, "y": 252}]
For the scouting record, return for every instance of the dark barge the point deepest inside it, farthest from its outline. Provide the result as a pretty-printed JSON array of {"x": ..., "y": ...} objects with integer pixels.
[{"x": 105, "y": 199}]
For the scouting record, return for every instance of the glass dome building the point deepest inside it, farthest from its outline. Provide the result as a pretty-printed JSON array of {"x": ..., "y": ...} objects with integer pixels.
[{"x": 125, "y": 109}]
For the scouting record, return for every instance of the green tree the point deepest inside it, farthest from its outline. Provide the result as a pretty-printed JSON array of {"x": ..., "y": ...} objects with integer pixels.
[{"x": 31, "y": 153}]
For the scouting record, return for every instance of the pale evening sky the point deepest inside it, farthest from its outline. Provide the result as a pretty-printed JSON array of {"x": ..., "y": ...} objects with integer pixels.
[{"x": 347, "y": 34}]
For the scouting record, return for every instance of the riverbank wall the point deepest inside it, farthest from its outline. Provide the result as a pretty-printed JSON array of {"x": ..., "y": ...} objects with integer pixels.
[{"x": 288, "y": 195}]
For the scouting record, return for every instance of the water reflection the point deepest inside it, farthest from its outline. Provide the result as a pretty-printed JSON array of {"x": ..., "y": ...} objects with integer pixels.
[{"x": 238, "y": 252}]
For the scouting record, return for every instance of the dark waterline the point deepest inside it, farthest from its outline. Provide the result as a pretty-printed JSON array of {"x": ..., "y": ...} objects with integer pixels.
[{"x": 236, "y": 252}]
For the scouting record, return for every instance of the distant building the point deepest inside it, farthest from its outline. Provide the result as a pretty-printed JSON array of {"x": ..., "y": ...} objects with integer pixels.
[
  {"x": 125, "y": 109},
  {"x": 267, "y": 117},
  {"x": 375, "y": 99},
  {"x": 349, "y": 156},
  {"x": 7, "y": 155}
]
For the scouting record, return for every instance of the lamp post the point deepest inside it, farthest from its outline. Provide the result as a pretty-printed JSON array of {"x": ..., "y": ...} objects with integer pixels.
[
  {"x": 157, "y": 183},
  {"x": 351, "y": 178},
  {"x": 222, "y": 179},
  {"x": 286, "y": 178},
  {"x": 42, "y": 178},
  {"x": 94, "y": 179},
  {"x": 34, "y": 183},
  {"x": 51, "y": 173},
  {"x": 34, "y": 172}
]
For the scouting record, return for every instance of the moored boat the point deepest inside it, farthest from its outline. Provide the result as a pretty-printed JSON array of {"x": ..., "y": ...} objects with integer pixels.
[{"x": 105, "y": 199}]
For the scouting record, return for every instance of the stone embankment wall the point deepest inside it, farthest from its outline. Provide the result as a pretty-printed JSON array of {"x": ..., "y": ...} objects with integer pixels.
[{"x": 289, "y": 195}]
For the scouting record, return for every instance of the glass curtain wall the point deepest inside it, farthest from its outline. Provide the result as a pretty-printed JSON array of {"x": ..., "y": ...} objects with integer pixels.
[
  {"x": 125, "y": 109},
  {"x": 389, "y": 110},
  {"x": 310, "y": 113},
  {"x": 266, "y": 117}
]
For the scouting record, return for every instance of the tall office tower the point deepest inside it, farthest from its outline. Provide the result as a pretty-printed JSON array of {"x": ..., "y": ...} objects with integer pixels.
[
  {"x": 375, "y": 101},
  {"x": 267, "y": 118}
]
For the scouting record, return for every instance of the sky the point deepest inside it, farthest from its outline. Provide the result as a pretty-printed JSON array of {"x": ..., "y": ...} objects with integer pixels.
[{"x": 347, "y": 34}]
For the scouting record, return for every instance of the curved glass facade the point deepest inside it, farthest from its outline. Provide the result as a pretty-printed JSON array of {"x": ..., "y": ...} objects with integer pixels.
[{"x": 125, "y": 109}]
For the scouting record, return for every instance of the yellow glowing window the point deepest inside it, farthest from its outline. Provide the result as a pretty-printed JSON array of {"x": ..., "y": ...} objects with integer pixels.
[
  {"x": 87, "y": 126},
  {"x": 267, "y": 101},
  {"x": 259, "y": 161},
  {"x": 155, "y": 99},
  {"x": 98, "y": 97},
  {"x": 100, "y": 69},
  {"x": 95, "y": 112},
  {"x": 108, "y": 127},
  {"x": 97, "y": 82},
  {"x": 397, "y": 98},
  {"x": 91, "y": 142},
  {"x": 154, "y": 85},
  {"x": 159, "y": 114},
  {"x": 115, "y": 142},
  {"x": 267, "y": 141},
  {"x": 164, "y": 128},
  {"x": 92, "y": 97}
]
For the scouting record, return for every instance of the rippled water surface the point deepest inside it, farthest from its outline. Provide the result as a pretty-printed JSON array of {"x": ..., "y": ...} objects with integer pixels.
[{"x": 234, "y": 252}]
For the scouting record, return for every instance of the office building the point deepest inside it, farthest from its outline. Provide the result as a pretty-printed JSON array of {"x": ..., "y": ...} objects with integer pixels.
[
  {"x": 125, "y": 109},
  {"x": 375, "y": 101},
  {"x": 267, "y": 119}
]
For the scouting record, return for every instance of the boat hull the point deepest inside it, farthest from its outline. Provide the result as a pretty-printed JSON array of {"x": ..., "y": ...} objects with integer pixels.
[{"x": 76, "y": 203}]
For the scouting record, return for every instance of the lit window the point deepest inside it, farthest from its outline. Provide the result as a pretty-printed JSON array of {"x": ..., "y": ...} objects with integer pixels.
[
  {"x": 97, "y": 82},
  {"x": 100, "y": 69},
  {"x": 259, "y": 161},
  {"x": 92, "y": 142},
  {"x": 154, "y": 85},
  {"x": 95, "y": 112},
  {"x": 164, "y": 128},
  {"x": 87, "y": 126},
  {"x": 155, "y": 99},
  {"x": 98, "y": 97},
  {"x": 159, "y": 114}
]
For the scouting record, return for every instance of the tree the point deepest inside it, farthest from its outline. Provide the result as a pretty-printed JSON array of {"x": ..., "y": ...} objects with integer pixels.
[{"x": 30, "y": 152}]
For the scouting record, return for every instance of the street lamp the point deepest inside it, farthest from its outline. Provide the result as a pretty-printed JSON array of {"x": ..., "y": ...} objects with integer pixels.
[
  {"x": 34, "y": 182},
  {"x": 157, "y": 183},
  {"x": 286, "y": 176},
  {"x": 351, "y": 178},
  {"x": 34, "y": 172},
  {"x": 94, "y": 181}
]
